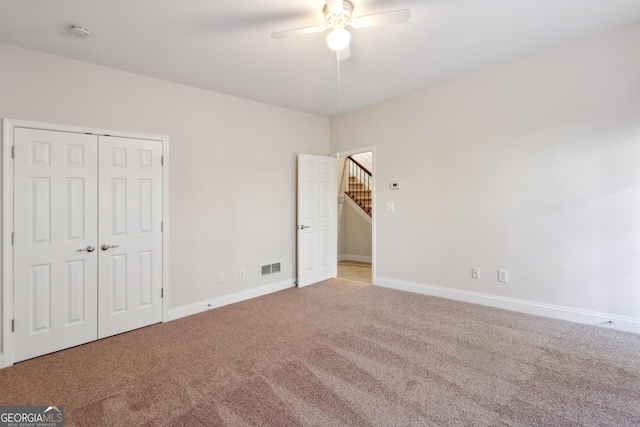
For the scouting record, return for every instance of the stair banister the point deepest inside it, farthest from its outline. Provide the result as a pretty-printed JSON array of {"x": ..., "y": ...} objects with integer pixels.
[{"x": 359, "y": 185}]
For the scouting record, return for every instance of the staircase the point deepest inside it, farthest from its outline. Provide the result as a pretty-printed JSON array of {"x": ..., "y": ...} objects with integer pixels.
[{"x": 359, "y": 185}]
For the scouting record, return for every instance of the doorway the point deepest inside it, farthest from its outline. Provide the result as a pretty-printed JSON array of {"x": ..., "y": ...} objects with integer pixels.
[{"x": 356, "y": 215}]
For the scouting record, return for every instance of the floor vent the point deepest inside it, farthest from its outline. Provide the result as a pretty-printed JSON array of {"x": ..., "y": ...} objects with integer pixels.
[{"x": 269, "y": 269}]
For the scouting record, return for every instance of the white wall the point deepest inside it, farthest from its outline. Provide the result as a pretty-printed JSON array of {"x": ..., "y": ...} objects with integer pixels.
[
  {"x": 355, "y": 232},
  {"x": 532, "y": 166},
  {"x": 232, "y": 162}
]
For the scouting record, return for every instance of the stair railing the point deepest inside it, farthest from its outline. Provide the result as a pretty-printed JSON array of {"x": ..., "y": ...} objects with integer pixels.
[{"x": 360, "y": 185}]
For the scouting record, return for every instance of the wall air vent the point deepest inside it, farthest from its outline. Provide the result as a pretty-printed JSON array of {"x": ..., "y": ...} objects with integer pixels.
[
  {"x": 265, "y": 270},
  {"x": 275, "y": 268},
  {"x": 270, "y": 269}
]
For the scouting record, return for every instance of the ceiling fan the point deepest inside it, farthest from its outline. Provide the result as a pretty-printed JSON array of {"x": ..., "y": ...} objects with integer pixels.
[{"x": 338, "y": 15}]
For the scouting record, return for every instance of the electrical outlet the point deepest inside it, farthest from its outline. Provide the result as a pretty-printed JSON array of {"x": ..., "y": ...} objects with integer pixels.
[
  {"x": 221, "y": 278},
  {"x": 503, "y": 275},
  {"x": 243, "y": 273},
  {"x": 475, "y": 272}
]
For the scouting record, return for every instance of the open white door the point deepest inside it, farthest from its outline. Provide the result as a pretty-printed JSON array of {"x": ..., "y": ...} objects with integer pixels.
[{"x": 317, "y": 212}]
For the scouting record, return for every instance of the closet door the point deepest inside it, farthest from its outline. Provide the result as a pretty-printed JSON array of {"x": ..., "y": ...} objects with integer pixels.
[
  {"x": 55, "y": 225},
  {"x": 130, "y": 235}
]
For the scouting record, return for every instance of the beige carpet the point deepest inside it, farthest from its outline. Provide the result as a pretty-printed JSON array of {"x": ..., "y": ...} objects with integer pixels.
[{"x": 342, "y": 353}]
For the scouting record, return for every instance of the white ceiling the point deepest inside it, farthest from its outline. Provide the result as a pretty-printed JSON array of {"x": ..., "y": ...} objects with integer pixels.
[{"x": 226, "y": 46}]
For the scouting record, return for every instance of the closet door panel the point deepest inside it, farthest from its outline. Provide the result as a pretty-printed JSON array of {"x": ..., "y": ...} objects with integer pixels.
[
  {"x": 55, "y": 224},
  {"x": 130, "y": 187}
]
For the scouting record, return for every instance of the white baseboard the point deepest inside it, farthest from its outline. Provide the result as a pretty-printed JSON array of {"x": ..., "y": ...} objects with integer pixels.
[
  {"x": 351, "y": 257},
  {"x": 188, "y": 310},
  {"x": 2, "y": 361},
  {"x": 621, "y": 323}
]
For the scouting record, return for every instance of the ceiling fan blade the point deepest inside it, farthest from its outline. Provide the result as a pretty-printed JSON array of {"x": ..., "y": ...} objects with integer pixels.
[
  {"x": 298, "y": 32},
  {"x": 343, "y": 54},
  {"x": 335, "y": 6},
  {"x": 384, "y": 18}
]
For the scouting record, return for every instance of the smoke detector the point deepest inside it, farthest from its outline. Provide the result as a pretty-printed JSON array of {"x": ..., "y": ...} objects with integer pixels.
[{"x": 79, "y": 32}]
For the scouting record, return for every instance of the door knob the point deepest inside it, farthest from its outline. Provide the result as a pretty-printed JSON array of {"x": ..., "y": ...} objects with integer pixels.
[
  {"x": 106, "y": 247},
  {"x": 302, "y": 227},
  {"x": 89, "y": 248}
]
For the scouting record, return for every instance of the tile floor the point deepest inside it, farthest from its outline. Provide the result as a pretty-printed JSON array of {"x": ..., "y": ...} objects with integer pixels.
[{"x": 356, "y": 271}]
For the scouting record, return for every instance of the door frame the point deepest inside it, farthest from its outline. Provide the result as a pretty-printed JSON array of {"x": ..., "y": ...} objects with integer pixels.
[
  {"x": 374, "y": 215},
  {"x": 8, "y": 126}
]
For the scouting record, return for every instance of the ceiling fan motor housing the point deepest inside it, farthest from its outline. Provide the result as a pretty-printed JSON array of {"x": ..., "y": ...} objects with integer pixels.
[{"x": 339, "y": 20}]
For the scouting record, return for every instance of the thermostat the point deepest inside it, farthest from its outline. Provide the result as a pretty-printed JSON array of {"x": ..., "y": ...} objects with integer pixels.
[{"x": 395, "y": 185}]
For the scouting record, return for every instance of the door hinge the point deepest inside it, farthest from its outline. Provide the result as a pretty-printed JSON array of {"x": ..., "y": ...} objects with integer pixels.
[
  {"x": 13, "y": 151},
  {"x": 13, "y": 239},
  {"x": 13, "y": 325},
  {"x": 161, "y": 292},
  {"x": 162, "y": 227},
  {"x": 161, "y": 160}
]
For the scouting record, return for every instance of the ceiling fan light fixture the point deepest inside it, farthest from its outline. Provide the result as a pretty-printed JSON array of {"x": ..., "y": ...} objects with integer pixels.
[{"x": 338, "y": 39}]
